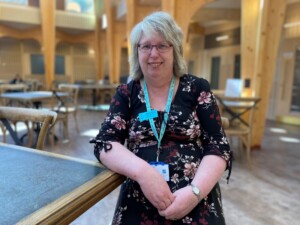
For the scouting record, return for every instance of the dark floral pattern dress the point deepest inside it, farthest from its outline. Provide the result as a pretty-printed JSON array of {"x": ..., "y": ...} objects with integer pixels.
[{"x": 193, "y": 131}]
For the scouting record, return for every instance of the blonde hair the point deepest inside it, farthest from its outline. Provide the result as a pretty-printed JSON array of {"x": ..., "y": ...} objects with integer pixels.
[{"x": 164, "y": 24}]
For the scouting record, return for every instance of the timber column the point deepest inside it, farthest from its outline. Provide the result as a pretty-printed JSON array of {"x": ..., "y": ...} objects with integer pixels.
[
  {"x": 183, "y": 11},
  {"x": 115, "y": 37},
  {"x": 262, "y": 23},
  {"x": 99, "y": 43},
  {"x": 48, "y": 35}
]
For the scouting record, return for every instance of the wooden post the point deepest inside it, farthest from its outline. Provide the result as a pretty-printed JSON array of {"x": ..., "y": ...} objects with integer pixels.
[
  {"x": 115, "y": 37},
  {"x": 183, "y": 11},
  {"x": 262, "y": 23},
  {"x": 48, "y": 34}
]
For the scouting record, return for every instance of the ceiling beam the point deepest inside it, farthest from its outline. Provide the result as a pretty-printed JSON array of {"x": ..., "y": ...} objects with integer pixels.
[{"x": 205, "y": 14}]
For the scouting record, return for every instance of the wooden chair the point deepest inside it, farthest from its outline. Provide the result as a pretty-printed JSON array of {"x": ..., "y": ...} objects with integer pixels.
[
  {"x": 12, "y": 88},
  {"x": 225, "y": 122},
  {"x": 240, "y": 112},
  {"x": 44, "y": 119},
  {"x": 67, "y": 106}
]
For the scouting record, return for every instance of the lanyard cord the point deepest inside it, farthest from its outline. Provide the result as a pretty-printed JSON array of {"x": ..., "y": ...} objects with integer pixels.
[{"x": 166, "y": 115}]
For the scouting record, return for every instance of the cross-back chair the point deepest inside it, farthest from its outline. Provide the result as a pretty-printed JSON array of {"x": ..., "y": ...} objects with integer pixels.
[
  {"x": 240, "y": 114},
  {"x": 66, "y": 106},
  {"x": 41, "y": 120}
]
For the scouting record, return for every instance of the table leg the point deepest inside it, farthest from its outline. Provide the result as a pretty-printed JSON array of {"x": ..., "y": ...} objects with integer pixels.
[
  {"x": 11, "y": 131},
  {"x": 94, "y": 97}
]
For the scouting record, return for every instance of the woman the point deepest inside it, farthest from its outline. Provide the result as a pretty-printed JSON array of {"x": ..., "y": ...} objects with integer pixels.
[{"x": 176, "y": 149}]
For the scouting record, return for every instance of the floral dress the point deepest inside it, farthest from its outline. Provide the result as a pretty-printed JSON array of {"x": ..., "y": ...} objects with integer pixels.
[{"x": 193, "y": 131}]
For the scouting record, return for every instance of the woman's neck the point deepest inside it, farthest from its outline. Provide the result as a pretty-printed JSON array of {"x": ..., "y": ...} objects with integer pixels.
[
  {"x": 158, "y": 93},
  {"x": 158, "y": 85}
]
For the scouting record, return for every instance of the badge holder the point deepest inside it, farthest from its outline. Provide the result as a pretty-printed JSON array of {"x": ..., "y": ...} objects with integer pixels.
[{"x": 162, "y": 168}]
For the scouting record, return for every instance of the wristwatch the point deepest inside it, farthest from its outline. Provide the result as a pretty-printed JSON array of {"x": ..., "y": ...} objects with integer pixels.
[{"x": 196, "y": 191}]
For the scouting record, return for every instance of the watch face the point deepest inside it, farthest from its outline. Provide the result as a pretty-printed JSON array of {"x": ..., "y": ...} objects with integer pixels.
[{"x": 196, "y": 190}]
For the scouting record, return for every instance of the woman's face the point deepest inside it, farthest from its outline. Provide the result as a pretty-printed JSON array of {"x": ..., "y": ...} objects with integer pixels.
[{"x": 155, "y": 56}]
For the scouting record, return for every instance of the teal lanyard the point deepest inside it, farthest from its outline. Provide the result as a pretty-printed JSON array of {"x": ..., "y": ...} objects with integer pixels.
[{"x": 166, "y": 115}]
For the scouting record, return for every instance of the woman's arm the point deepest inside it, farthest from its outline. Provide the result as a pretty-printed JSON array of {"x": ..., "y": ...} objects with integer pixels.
[
  {"x": 216, "y": 154},
  {"x": 208, "y": 174},
  {"x": 153, "y": 185}
]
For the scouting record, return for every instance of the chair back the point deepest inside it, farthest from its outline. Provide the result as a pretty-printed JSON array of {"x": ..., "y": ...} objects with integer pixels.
[
  {"x": 12, "y": 87},
  {"x": 240, "y": 113},
  {"x": 45, "y": 117},
  {"x": 237, "y": 107},
  {"x": 73, "y": 90},
  {"x": 225, "y": 122}
]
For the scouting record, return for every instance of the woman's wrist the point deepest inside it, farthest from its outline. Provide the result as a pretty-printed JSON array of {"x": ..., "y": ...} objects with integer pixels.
[{"x": 196, "y": 191}]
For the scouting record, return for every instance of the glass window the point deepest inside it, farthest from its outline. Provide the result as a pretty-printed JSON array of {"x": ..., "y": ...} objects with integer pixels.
[
  {"x": 80, "y": 6},
  {"x": 21, "y": 2},
  {"x": 295, "y": 103},
  {"x": 237, "y": 66},
  {"x": 215, "y": 72}
]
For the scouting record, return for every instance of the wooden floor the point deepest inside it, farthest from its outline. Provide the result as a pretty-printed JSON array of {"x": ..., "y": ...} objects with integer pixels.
[{"x": 266, "y": 194}]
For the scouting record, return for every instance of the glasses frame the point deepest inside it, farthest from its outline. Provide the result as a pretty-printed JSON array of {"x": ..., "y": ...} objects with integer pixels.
[{"x": 156, "y": 46}]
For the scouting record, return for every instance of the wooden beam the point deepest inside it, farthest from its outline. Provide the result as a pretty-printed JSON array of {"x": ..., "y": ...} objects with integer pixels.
[
  {"x": 48, "y": 34},
  {"x": 120, "y": 31},
  {"x": 102, "y": 54},
  {"x": 99, "y": 61},
  {"x": 209, "y": 14},
  {"x": 33, "y": 33},
  {"x": 115, "y": 35},
  {"x": 131, "y": 19},
  {"x": 109, "y": 38},
  {"x": 195, "y": 28},
  {"x": 85, "y": 38},
  {"x": 183, "y": 12},
  {"x": 266, "y": 33},
  {"x": 250, "y": 19}
]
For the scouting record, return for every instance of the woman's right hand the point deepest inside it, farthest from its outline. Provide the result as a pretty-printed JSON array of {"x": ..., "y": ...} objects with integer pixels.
[
  {"x": 152, "y": 183},
  {"x": 156, "y": 189}
]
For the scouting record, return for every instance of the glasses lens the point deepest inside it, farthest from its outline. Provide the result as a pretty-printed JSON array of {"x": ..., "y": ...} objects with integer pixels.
[{"x": 161, "y": 48}]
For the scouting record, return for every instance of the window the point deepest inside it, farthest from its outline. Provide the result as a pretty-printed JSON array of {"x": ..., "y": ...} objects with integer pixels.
[
  {"x": 21, "y": 2},
  {"x": 80, "y": 6},
  {"x": 237, "y": 67},
  {"x": 295, "y": 101},
  {"x": 38, "y": 66},
  {"x": 215, "y": 72}
]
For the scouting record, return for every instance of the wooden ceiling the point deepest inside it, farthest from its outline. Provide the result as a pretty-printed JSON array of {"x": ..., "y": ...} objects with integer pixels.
[{"x": 213, "y": 14}]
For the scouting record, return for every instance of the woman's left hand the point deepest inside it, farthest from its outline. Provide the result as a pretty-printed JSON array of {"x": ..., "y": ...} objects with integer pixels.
[{"x": 185, "y": 201}]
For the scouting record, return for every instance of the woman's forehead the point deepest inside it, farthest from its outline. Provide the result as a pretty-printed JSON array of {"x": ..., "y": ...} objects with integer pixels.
[{"x": 153, "y": 36}]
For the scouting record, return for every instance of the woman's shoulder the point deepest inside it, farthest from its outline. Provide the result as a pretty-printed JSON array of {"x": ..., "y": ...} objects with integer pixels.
[
  {"x": 196, "y": 81},
  {"x": 128, "y": 88}
]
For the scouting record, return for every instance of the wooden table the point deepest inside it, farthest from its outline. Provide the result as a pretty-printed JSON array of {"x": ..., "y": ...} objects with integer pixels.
[
  {"x": 95, "y": 87},
  {"x": 38, "y": 187},
  {"x": 32, "y": 97}
]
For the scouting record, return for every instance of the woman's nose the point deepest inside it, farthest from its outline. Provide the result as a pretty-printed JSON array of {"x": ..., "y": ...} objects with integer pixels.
[{"x": 154, "y": 50}]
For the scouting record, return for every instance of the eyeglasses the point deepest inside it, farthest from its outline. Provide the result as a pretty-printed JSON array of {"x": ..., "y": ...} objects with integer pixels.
[{"x": 161, "y": 48}]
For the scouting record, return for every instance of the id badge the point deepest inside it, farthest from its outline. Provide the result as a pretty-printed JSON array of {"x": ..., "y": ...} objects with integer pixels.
[{"x": 162, "y": 168}]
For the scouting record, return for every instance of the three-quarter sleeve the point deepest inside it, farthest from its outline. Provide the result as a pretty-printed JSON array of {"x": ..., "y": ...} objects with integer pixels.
[
  {"x": 213, "y": 138},
  {"x": 115, "y": 124}
]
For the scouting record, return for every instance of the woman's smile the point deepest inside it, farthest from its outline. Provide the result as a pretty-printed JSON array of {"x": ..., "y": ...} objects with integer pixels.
[{"x": 155, "y": 64}]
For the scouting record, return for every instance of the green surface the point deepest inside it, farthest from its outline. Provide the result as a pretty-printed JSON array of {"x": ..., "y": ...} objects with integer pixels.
[{"x": 29, "y": 181}]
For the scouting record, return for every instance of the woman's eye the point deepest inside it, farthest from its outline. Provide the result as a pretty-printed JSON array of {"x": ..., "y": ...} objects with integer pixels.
[
  {"x": 146, "y": 47},
  {"x": 162, "y": 47}
]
